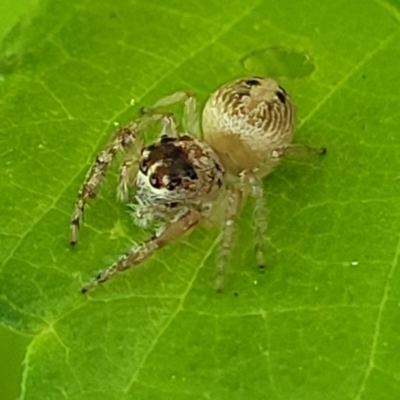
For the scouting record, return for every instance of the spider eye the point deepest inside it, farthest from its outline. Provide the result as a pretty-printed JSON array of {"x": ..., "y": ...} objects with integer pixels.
[
  {"x": 154, "y": 181},
  {"x": 174, "y": 182},
  {"x": 191, "y": 174},
  {"x": 143, "y": 166}
]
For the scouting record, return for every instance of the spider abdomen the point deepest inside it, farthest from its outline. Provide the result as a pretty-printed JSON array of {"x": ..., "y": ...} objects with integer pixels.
[{"x": 246, "y": 121}]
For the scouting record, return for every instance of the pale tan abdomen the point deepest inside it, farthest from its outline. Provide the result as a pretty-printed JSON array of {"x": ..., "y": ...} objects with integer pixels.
[{"x": 246, "y": 121}]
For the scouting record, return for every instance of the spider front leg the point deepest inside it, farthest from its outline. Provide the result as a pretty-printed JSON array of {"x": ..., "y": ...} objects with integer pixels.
[
  {"x": 123, "y": 138},
  {"x": 234, "y": 200},
  {"x": 129, "y": 168},
  {"x": 143, "y": 251},
  {"x": 191, "y": 115},
  {"x": 127, "y": 174},
  {"x": 127, "y": 138}
]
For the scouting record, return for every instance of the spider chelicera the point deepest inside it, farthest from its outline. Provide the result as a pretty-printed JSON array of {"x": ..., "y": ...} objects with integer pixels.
[{"x": 184, "y": 177}]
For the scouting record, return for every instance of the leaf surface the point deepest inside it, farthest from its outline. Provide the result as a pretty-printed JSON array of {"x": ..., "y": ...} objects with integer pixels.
[{"x": 321, "y": 322}]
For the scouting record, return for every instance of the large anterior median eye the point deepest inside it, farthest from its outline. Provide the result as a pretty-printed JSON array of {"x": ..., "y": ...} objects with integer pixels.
[
  {"x": 155, "y": 181},
  {"x": 174, "y": 182}
]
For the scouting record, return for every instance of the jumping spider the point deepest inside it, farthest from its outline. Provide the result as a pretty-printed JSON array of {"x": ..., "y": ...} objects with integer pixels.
[{"x": 181, "y": 179}]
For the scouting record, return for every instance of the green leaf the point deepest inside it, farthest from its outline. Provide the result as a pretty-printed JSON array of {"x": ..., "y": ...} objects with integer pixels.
[{"x": 321, "y": 322}]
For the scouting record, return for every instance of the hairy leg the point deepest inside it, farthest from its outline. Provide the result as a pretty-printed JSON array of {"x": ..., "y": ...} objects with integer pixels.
[
  {"x": 122, "y": 139},
  {"x": 259, "y": 217},
  {"x": 298, "y": 150},
  {"x": 143, "y": 251},
  {"x": 127, "y": 173},
  {"x": 126, "y": 138},
  {"x": 191, "y": 115},
  {"x": 232, "y": 210},
  {"x": 257, "y": 191},
  {"x": 168, "y": 125},
  {"x": 129, "y": 167}
]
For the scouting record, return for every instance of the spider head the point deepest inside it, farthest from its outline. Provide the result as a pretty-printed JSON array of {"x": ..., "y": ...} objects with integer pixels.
[
  {"x": 177, "y": 170},
  {"x": 167, "y": 166}
]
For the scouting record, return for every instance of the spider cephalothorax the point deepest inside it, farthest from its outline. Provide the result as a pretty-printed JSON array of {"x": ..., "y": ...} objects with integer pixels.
[
  {"x": 176, "y": 173},
  {"x": 248, "y": 126},
  {"x": 180, "y": 169}
]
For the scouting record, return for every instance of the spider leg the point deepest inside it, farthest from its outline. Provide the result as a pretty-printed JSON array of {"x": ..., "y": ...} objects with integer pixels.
[
  {"x": 126, "y": 138},
  {"x": 143, "y": 251},
  {"x": 259, "y": 217},
  {"x": 297, "y": 150},
  {"x": 232, "y": 210},
  {"x": 257, "y": 191},
  {"x": 168, "y": 125},
  {"x": 129, "y": 167},
  {"x": 127, "y": 173},
  {"x": 123, "y": 138},
  {"x": 191, "y": 114},
  {"x": 290, "y": 151}
]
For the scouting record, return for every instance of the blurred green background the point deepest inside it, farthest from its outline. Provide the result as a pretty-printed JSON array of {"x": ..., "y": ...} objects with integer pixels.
[{"x": 12, "y": 345}]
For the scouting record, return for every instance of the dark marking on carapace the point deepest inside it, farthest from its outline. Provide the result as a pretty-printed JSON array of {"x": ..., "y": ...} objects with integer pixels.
[
  {"x": 171, "y": 161},
  {"x": 167, "y": 139}
]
